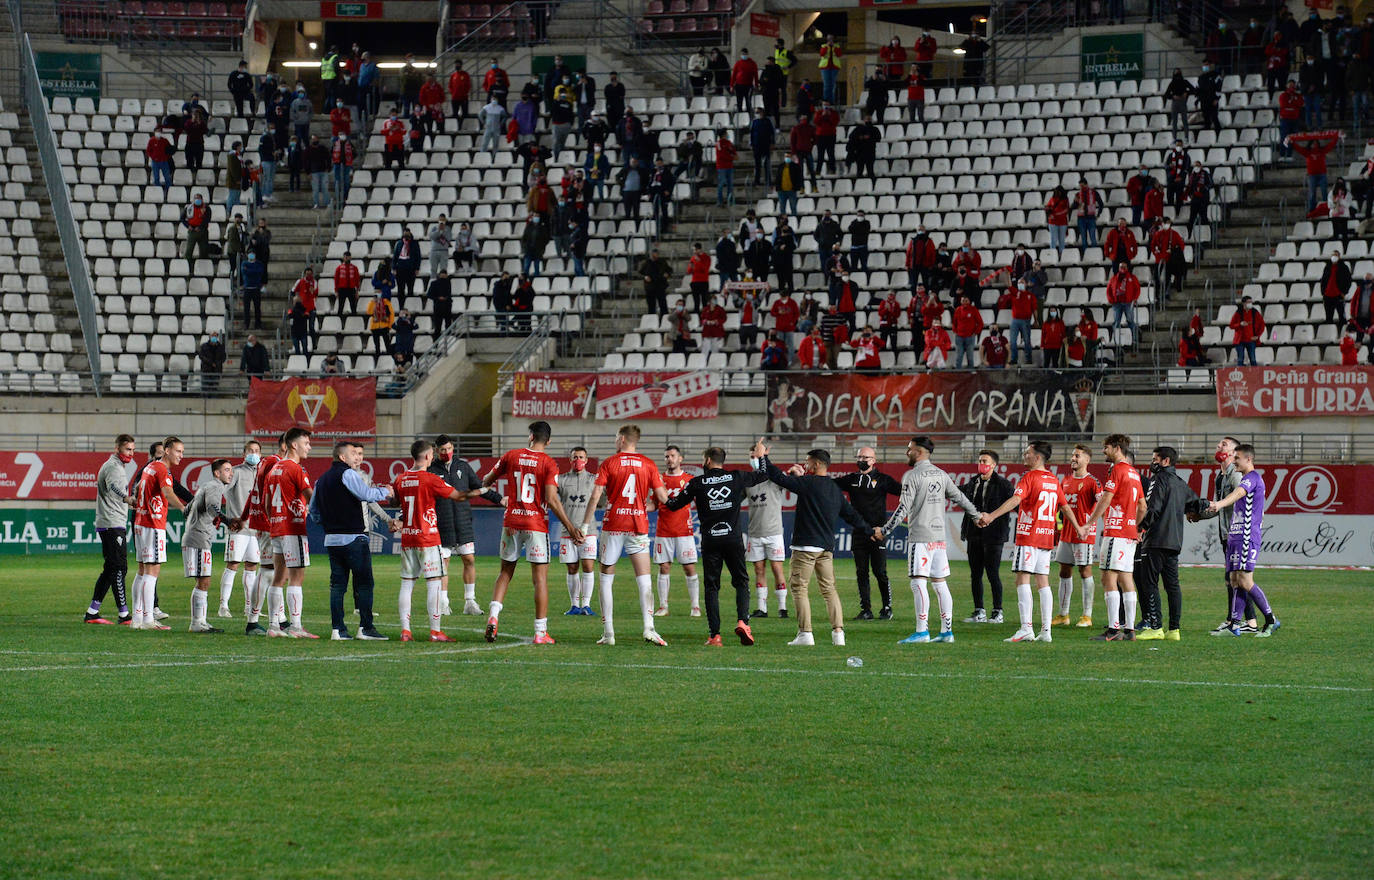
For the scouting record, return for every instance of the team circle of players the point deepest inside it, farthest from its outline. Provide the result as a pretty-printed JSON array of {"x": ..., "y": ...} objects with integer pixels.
[{"x": 266, "y": 501}]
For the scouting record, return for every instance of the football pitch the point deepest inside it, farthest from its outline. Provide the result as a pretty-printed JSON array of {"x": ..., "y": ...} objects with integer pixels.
[{"x": 141, "y": 754}]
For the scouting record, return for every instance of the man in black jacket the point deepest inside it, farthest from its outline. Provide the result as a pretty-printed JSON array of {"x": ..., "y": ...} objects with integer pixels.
[
  {"x": 656, "y": 274},
  {"x": 820, "y": 506},
  {"x": 454, "y": 518},
  {"x": 862, "y": 147},
  {"x": 868, "y": 489},
  {"x": 718, "y": 494},
  {"x": 988, "y": 491},
  {"x": 1167, "y": 497}
]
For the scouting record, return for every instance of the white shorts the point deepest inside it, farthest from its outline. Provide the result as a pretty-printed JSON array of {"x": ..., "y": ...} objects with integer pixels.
[
  {"x": 767, "y": 547},
  {"x": 1118, "y": 554},
  {"x": 196, "y": 563},
  {"x": 1073, "y": 554},
  {"x": 421, "y": 562},
  {"x": 150, "y": 545},
  {"x": 295, "y": 549},
  {"x": 569, "y": 552},
  {"x": 241, "y": 547},
  {"x": 680, "y": 550},
  {"x": 535, "y": 544},
  {"x": 927, "y": 560},
  {"x": 1031, "y": 560},
  {"x": 614, "y": 544},
  {"x": 265, "y": 548}
]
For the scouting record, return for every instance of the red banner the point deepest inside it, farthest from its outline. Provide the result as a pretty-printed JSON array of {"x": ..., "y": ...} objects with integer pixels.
[
  {"x": 658, "y": 395},
  {"x": 1295, "y": 391},
  {"x": 553, "y": 395},
  {"x": 763, "y": 25},
  {"x": 329, "y": 407}
]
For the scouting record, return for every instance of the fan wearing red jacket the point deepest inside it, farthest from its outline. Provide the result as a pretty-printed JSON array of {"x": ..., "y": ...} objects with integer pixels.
[
  {"x": 926, "y": 47},
  {"x": 802, "y": 140},
  {"x": 495, "y": 80},
  {"x": 531, "y": 492},
  {"x": 1248, "y": 325},
  {"x": 1120, "y": 245},
  {"x": 432, "y": 99},
  {"x": 1313, "y": 147},
  {"x": 786, "y": 313},
  {"x": 725, "y": 170},
  {"x": 916, "y": 94},
  {"x": 867, "y": 351},
  {"x": 892, "y": 58},
  {"x": 920, "y": 260},
  {"x": 416, "y": 490},
  {"x": 936, "y": 353},
  {"x": 394, "y": 140},
  {"x": 968, "y": 324},
  {"x": 827, "y": 125},
  {"x": 712, "y": 327},
  {"x": 1123, "y": 289},
  {"x": 812, "y": 353},
  {"x": 346, "y": 281},
  {"x": 1038, "y": 496},
  {"x": 459, "y": 90},
  {"x": 967, "y": 258},
  {"x": 628, "y": 480},
  {"x": 1052, "y": 333},
  {"x": 889, "y": 314},
  {"x": 1163, "y": 242},
  {"x": 744, "y": 78},
  {"x": 699, "y": 268}
]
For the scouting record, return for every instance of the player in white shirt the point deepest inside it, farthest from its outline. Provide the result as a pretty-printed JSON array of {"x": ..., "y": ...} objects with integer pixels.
[{"x": 575, "y": 490}]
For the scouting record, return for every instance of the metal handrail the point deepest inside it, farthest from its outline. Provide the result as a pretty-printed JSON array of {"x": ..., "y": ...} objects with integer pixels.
[
  {"x": 519, "y": 359},
  {"x": 471, "y": 42}
]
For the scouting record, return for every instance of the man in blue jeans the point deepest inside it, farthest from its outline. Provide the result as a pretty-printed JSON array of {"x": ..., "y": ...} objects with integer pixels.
[{"x": 338, "y": 506}]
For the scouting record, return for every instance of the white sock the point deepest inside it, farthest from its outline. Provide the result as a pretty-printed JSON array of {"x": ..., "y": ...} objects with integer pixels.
[
  {"x": 198, "y": 602},
  {"x": 295, "y": 597},
  {"x": 1024, "y": 604},
  {"x": 607, "y": 604},
  {"x": 1065, "y": 591},
  {"x": 1088, "y": 597},
  {"x": 645, "y": 582},
  {"x": 574, "y": 584},
  {"x": 149, "y": 598},
  {"x": 761, "y": 594},
  {"x": 946, "y": 603},
  {"x": 265, "y": 576},
  {"x": 693, "y": 591},
  {"x": 541, "y": 625},
  {"x": 434, "y": 603},
  {"x": 780, "y": 593},
  {"x": 403, "y": 605},
  {"x": 496, "y": 609},
  {"x": 1046, "y": 607},
  {"x": 250, "y": 586},
  {"x": 469, "y": 592},
  {"x": 226, "y": 587},
  {"x": 1128, "y": 610},
  {"x": 664, "y": 582},
  {"x": 274, "y": 605},
  {"x": 922, "y": 600},
  {"x": 588, "y": 579},
  {"x": 1113, "y": 609},
  {"x": 261, "y": 586},
  {"x": 136, "y": 599}
]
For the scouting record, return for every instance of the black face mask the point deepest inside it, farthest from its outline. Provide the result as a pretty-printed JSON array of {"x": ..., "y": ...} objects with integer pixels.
[
  {"x": 862, "y": 465},
  {"x": 1156, "y": 467}
]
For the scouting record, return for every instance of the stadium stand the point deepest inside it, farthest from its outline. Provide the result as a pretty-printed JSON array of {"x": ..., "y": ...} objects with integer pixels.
[
  {"x": 215, "y": 25},
  {"x": 690, "y": 22}
]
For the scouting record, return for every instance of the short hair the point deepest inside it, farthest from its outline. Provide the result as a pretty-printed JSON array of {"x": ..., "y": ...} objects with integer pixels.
[
  {"x": 996, "y": 459},
  {"x": 419, "y": 448},
  {"x": 1042, "y": 448},
  {"x": 124, "y": 438},
  {"x": 154, "y": 447},
  {"x": 924, "y": 442},
  {"x": 540, "y": 431},
  {"x": 1234, "y": 442},
  {"x": 295, "y": 434},
  {"x": 1120, "y": 441},
  {"x": 251, "y": 443},
  {"x": 341, "y": 447},
  {"x": 715, "y": 455},
  {"x": 820, "y": 455},
  {"x": 1084, "y": 448},
  {"x": 442, "y": 439},
  {"x": 281, "y": 439},
  {"x": 577, "y": 449},
  {"x": 166, "y": 444},
  {"x": 1245, "y": 449},
  {"x": 1168, "y": 452},
  {"x": 218, "y": 463},
  {"x": 673, "y": 447},
  {"x": 629, "y": 432}
]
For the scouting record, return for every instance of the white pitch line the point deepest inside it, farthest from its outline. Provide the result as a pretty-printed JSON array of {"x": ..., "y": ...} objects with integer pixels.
[{"x": 1087, "y": 679}]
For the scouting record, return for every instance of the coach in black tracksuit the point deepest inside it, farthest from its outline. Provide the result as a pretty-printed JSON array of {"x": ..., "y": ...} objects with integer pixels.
[
  {"x": 1166, "y": 499},
  {"x": 868, "y": 489},
  {"x": 988, "y": 491},
  {"x": 718, "y": 494}
]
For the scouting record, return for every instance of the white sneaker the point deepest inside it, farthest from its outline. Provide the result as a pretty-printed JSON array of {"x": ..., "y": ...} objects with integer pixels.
[
  {"x": 1024, "y": 634},
  {"x": 445, "y": 609},
  {"x": 837, "y": 637},
  {"x": 471, "y": 607},
  {"x": 159, "y": 614},
  {"x": 276, "y": 632},
  {"x": 803, "y": 639},
  {"x": 654, "y": 638},
  {"x": 661, "y": 611},
  {"x": 606, "y": 639},
  {"x": 199, "y": 627},
  {"x": 225, "y": 612},
  {"x": 1044, "y": 636},
  {"x": 298, "y": 632},
  {"x": 695, "y": 612}
]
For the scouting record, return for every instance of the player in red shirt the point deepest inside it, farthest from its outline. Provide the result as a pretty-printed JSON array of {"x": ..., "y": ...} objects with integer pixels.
[
  {"x": 532, "y": 491},
  {"x": 286, "y": 497},
  {"x": 257, "y": 523},
  {"x": 674, "y": 539},
  {"x": 415, "y": 491},
  {"x": 152, "y": 496},
  {"x": 1037, "y": 497},
  {"x": 1075, "y": 550},
  {"x": 628, "y": 480},
  {"x": 1122, "y": 503}
]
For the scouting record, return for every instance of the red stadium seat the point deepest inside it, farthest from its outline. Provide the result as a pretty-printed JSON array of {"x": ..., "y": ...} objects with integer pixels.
[
  {"x": 686, "y": 25},
  {"x": 480, "y": 11},
  {"x": 133, "y": 9},
  {"x": 238, "y": 10},
  {"x": 725, "y": 5},
  {"x": 197, "y": 10},
  {"x": 655, "y": 7},
  {"x": 700, "y": 6},
  {"x": 679, "y": 7},
  {"x": 664, "y": 26},
  {"x": 217, "y": 10},
  {"x": 194, "y": 30},
  {"x": 709, "y": 25}
]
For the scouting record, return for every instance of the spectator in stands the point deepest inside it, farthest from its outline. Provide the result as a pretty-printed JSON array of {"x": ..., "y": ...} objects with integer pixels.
[
  {"x": 241, "y": 88},
  {"x": 584, "y": 93},
  {"x": 712, "y": 327},
  {"x": 811, "y": 351},
  {"x": 196, "y": 218},
  {"x": 1152, "y": 209},
  {"x": 931, "y": 311},
  {"x": 440, "y": 245},
  {"x": 786, "y": 314},
  {"x": 810, "y": 310},
  {"x": 534, "y": 240},
  {"x": 1199, "y": 192},
  {"x": 891, "y": 60},
  {"x": 834, "y": 331},
  {"x": 1362, "y": 311},
  {"x": 341, "y": 156},
  {"x": 744, "y": 78},
  {"x": 1334, "y": 286},
  {"x": 802, "y": 139},
  {"x": 1248, "y": 325},
  {"x": 1038, "y": 280},
  {"x": 411, "y": 81},
  {"x": 394, "y": 140},
  {"x": 725, "y": 169},
  {"x": 1358, "y": 76},
  {"x": 975, "y": 50},
  {"x": 937, "y": 345},
  {"x": 1221, "y": 48},
  {"x": 1022, "y": 304},
  {"x": 598, "y": 172},
  {"x": 459, "y": 91},
  {"x": 493, "y": 117},
  {"x": 260, "y": 242},
  {"x": 1137, "y": 188},
  {"x": 699, "y": 270},
  {"x": 773, "y": 86},
  {"x": 1350, "y": 349},
  {"x": 867, "y": 348},
  {"x": 1176, "y": 162},
  {"x": 1088, "y": 203},
  {"x": 1176, "y": 98},
  {"x": 340, "y": 121},
  {"x": 253, "y": 360},
  {"x": 747, "y": 304},
  {"x": 1290, "y": 117},
  {"x": 876, "y": 99},
  {"x": 660, "y": 192},
  {"x": 1052, "y": 338},
  {"x": 1313, "y": 149},
  {"x": 761, "y": 134},
  {"x": 784, "y": 254},
  {"x": 847, "y": 297},
  {"x": 268, "y": 156},
  {"x": 431, "y": 98},
  {"x": 295, "y": 163},
  {"x": 1251, "y": 53},
  {"x": 698, "y": 71},
  {"x": 968, "y": 324},
  {"x": 773, "y": 354},
  {"x": 194, "y": 127},
  {"x": 346, "y": 281},
  {"x": 403, "y": 343},
  {"x": 496, "y": 83},
  {"x": 829, "y": 63},
  {"x": 235, "y": 243},
  {"x": 1057, "y": 218},
  {"x": 1088, "y": 331},
  {"x": 994, "y": 349},
  {"x": 889, "y": 317},
  {"x": 558, "y": 74},
  {"x": 718, "y": 68},
  {"x": 277, "y": 111},
  {"x": 1276, "y": 62},
  {"x": 384, "y": 280},
  {"x": 252, "y": 274},
  {"x": 916, "y": 95},
  {"x": 318, "y": 163},
  {"x": 614, "y": 96},
  {"x": 212, "y": 358},
  {"x": 299, "y": 320},
  {"x": 252, "y": 181},
  {"x": 159, "y": 153},
  {"x": 465, "y": 248},
  {"x": 381, "y": 316},
  {"x": 561, "y": 118},
  {"x": 369, "y": 85},
  {"x": 419, "y": 127},
  {"x": 919, "y": 259},
  {"x": 689, "y": 158},
  {"x": 966, "y": 284},
  {"x": 1190, "y": 353},
  {"x": 1164, "y": 241},
  {"x": 681, "y": 328},
  {"x": 758, "y": 255},
  {"x": 331, "y": 365},
  {"x": 827, "y": 122},
  {"x": 860, "y": 231},
  {"x": 632, "y": 180},
  {"x": 1120, "y": 245},
  {"x": 1075, "y": 351},
  {"x": 1209, "y": 98},
  {"x": 789, "y": 182},
  {"x": 440, "y": 296},
  {"x": 862, "y": 147},
  {"x": 541, "y": 199},
  {"x": 968, "y": 258},
  {"x": 405, "y": 261},
  {"x": 1338, "y": 208},
  {"x": 301, "y": 113},
  {"x": 307, "y": 291},
  {"x": 1123, "y": 290},
  {"x": 827, "y": 234},
  {"x": 656, "y": 274},
  {"x": 727, "y": 257}
]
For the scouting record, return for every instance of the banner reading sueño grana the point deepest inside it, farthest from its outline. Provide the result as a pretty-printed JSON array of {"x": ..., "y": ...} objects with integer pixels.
[
  {"x": 552, "y": 395},
  {"x": 693, "y": 395},
  {"x": 1295, "y": 391},
  {"x": 998, "y": 401},
  {"x": 330, "y": 406}
]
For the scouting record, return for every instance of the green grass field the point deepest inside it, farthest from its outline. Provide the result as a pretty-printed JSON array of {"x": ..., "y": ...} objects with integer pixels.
[{"x": 131, "y": 754}]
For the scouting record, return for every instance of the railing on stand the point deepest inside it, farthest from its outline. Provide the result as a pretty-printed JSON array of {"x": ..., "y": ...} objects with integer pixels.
[
  {"x": 648, "y": 55},
  {"x": 488, "y": 39},
  {"x": 525, "y": 354}
]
